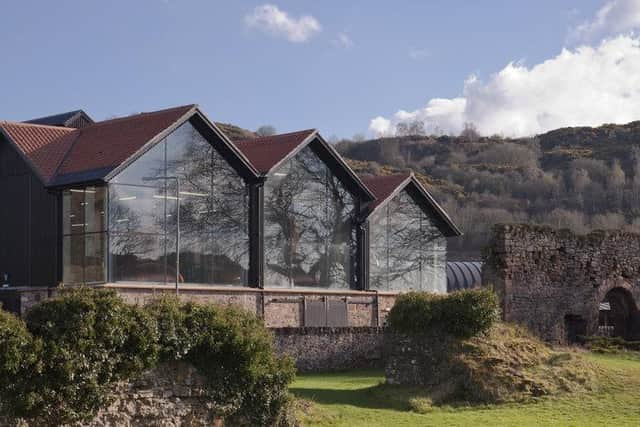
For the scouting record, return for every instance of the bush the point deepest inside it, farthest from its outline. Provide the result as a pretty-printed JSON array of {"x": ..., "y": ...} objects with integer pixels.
[
  {"x": 90, "y": 339},
  {"x": 59, "y": 366},
  {"x": 234, "y": 352},
  {"x": 19, "y": 363},
  {"x": 462, "y": 314}
]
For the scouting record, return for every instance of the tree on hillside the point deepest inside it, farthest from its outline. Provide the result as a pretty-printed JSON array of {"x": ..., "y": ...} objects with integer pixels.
[
  {"x": 266, "y": 130},
  {"x": 470, "y": 133}
]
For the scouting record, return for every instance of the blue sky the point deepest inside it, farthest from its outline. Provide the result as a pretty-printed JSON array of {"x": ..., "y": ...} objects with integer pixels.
[{"x": 358, "y": 60}]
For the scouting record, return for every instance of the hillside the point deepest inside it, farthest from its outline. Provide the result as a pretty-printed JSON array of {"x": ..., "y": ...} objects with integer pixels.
[
  {"x": 235, "y": 133},
  {"x": 579, "y": 178}
]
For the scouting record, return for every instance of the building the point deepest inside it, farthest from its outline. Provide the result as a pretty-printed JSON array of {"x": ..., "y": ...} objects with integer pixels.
[{"x": 164, "y": 200}]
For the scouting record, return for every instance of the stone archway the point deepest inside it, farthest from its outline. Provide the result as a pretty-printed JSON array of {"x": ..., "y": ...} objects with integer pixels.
[{"x": 619, "y": 315}]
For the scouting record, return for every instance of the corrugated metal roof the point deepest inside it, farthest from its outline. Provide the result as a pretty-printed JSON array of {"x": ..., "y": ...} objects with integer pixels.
[{"x": 463, "y": 275}]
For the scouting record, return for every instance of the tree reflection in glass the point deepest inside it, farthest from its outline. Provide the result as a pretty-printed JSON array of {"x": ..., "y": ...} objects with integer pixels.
[
  {"x": 308, "y": 226},
  {"x": 407, "y": 252},
  {"x": 213, "y": 215}
]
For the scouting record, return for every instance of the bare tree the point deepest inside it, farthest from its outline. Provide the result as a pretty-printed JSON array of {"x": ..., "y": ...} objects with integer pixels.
[{"x": 470, "y": 133}]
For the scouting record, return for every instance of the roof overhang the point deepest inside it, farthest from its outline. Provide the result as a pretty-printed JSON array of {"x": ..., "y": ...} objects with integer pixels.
[
  {"x": 426, "y": 202},
  {"x": 209, "y": 130},
  {"x": 333, "y": 160}
]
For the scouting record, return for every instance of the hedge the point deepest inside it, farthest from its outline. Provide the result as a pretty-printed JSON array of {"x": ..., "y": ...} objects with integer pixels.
[
  {"x": 58, "y": 366},
  {"x": 462, "y": 314}
]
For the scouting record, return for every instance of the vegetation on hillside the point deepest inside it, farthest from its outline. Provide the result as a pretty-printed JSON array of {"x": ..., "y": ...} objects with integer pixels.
[{"x": 577, "y": 178}]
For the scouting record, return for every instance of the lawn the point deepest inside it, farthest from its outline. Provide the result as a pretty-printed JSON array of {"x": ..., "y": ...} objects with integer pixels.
[{"x": 358, "y": 398}]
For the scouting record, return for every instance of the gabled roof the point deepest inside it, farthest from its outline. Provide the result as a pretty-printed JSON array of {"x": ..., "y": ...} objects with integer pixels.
[
  {"x": 105, "y": 145},
  {"x": 63, "y": 156},
  {"x": 62, "y": 119},
  {"x": 385, "y": 188},
  {"x": 266, "y": 152},
  {"x": 43, "y": 147}
]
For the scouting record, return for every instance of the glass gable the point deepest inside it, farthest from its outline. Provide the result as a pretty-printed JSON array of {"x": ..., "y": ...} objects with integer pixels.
[
  {"x": 213, "y": 200},
  {"x": 309, "y": 233},
  {"x": 407, "y": 251}
]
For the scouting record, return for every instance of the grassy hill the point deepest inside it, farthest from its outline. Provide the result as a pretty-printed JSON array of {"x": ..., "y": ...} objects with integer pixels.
[{"x": 361, "y": 399}]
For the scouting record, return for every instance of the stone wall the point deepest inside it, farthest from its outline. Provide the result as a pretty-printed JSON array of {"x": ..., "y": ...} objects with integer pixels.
[
  {"x": 169, "y": 395},
  {"x": 418, "y": 360},
  {"x": 548, "y": 278},
  {"x": 331, "y": 349},
  {"x": 20, "y": 299},
  {"x": 280, "y": 308}
]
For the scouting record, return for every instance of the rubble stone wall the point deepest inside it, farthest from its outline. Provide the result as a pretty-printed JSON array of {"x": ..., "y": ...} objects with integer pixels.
[
  {"x": 331, "y": 349},
  {"x": 546, "y": 276}
]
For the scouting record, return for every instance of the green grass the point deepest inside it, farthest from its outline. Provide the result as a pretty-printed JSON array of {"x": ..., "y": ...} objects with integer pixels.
[{"x": 358, "y": 398}]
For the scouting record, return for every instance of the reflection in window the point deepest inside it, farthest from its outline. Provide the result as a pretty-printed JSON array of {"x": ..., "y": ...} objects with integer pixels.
[
  {"x": 309, "y": 238},
  {"x": 407, "y": 252},
  {"x": 214, "y": 241},
  {"x": 83, "y": 241}
]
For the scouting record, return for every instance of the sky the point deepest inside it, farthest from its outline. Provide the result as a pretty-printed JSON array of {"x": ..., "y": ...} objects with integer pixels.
[{"x": 510, "y": 67}]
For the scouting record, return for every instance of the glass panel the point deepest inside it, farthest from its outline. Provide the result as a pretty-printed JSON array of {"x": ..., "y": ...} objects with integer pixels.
[
  {"x": 407, "y": 251},
  {"x": 72, "y": 259},
  {"x": 94, "y": 209},
  {"x": 73, "y": 211},
  {"x": 137, "y": 209},
  {"x": 140, "y": 258},
  {"x": 434, "y": 263},
  {"x": 94, "y": 252},
  {"x": 213, "y": 209},
  {"x": 309, "y": 238},
  {"x": 150, "y": 164},
  {"x": 378, "y": 245},
  {"x": 404, "y": 243}
]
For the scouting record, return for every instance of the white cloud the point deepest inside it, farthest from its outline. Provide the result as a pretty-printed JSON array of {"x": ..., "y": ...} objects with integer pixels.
[
  {"x": 614, "y": 17},
  {"x": 343, "y": 40},
  {"x": 585, "y": 86},
  {"x": 272, "y": 20}
]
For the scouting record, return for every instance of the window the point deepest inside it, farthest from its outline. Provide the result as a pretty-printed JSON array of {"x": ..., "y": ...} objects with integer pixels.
[
  {"x": 309, "y": 234},
  {"x": 213, "y": 199},
  {"x": 83, "y": 241},
  {"x": 407, "y": 252}
]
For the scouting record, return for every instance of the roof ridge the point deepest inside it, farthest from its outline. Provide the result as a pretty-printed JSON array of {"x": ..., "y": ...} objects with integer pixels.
[{"x": 142, "y": 114}]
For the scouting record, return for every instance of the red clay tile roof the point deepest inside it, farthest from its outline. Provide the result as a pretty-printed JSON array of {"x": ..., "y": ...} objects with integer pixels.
[
  {"x": 265, "y": 152},
  {"x": 43, "y": 146},
  {"x": 383, "y": 186},
  {"x": 105, "y": 145},
  {"x": 63, "y": 155}
]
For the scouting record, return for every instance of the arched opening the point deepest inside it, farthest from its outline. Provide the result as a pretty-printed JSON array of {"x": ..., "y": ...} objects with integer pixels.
[{"x": 619, "y": 316}]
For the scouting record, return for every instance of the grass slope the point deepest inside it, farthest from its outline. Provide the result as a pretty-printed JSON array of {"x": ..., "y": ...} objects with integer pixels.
[{"x": 358, "y": 399}]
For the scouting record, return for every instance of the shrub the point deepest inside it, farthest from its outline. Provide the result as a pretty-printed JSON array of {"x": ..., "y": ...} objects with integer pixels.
[
  {"x": 59, "y": 366},
  {"x": 234, "y": 352},
  {"x": 20, "y": 355},
  {"x": 462, "y": 314},
  {"x": 90, "y": 339}
]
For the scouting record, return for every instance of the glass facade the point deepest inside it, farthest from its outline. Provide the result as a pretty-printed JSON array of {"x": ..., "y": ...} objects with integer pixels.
[
  {"x": 84, "y": 236},
  {"x": 309, "y": 233},
  {"x": 407, "y": 251},
  {"x": 213, "y": 200}
]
